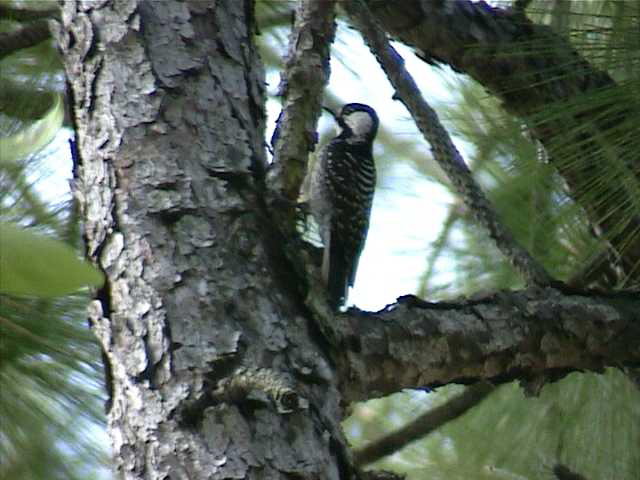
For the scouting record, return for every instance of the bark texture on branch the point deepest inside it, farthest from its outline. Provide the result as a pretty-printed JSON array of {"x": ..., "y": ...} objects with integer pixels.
[
  {"x": 303, "y": 80},
  {"x": 535, "y": 335},
  {"x": 531, "y": 68}
]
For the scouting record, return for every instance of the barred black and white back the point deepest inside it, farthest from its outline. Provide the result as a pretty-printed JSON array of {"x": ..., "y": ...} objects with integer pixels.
[{"x": 342, "y": 185}]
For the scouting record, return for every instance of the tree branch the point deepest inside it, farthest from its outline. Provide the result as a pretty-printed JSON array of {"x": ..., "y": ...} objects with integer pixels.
[
  {"x": 25, "y": 37},
  {"x": 534, "y": 334},
  {"x": 305, "y": 75},
  {"x": 423, "y": 425},
  {"x": 532, "y": 69},
  {"x": 303, "y": 79},
  {"x": 444, "y": 151}
]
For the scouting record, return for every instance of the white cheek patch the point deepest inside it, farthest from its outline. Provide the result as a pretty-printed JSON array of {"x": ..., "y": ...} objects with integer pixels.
[{"x": 360, "y": 123}]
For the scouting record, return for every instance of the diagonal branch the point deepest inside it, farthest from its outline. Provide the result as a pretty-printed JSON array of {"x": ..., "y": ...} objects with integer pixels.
[
  {"x": 423, "y": 425},
  {"x": 533, "y": 334},
  {"x": 533, "y": 70},
  {"x": 444, "y": 151}
]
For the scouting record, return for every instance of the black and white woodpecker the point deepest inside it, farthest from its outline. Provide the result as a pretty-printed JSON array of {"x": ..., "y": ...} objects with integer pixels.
[{"x": 341, "y": 186}]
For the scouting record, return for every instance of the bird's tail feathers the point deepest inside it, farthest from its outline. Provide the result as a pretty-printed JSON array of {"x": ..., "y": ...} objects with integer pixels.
[{"x": 336, "y": 274}]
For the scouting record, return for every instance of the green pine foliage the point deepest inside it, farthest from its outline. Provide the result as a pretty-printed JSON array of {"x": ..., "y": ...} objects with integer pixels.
[{"x": 51, "y": 389}]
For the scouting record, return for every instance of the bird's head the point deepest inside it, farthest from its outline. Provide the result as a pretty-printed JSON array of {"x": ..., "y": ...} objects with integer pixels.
[{"x": 358, "y": 122}]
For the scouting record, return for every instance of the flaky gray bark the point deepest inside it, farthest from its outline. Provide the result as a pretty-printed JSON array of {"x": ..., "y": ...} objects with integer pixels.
[
  {"x": 169, "y": 108},
  {"x": 301, "y": 87},
  {"x": 533, "y": 335}
]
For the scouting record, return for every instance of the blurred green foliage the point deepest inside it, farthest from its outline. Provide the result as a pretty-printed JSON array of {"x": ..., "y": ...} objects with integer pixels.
[{"x": 38, "y": 266}]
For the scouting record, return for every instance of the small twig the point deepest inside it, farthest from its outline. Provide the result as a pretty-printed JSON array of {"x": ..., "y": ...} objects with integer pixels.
[
  {"x": 25, "y": 37},
  {"x": 305, "y": 75},
  {"x": 424, "y": 424},
  {"x": 444, "y": 151}
]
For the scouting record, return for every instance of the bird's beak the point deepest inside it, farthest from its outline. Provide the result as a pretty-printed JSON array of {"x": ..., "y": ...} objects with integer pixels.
[
  {"x": 336, "y": 118},
  {"x": 327, "y": 109}
]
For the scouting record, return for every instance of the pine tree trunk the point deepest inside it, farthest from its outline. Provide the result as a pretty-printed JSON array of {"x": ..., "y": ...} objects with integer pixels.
[{"x": 211, "y": 366}]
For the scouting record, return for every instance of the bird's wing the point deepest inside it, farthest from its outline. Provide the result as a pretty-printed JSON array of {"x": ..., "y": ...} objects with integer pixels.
[{"x": 349, "y": 222}]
